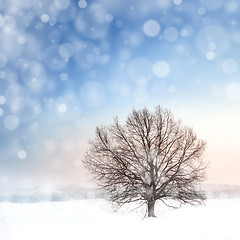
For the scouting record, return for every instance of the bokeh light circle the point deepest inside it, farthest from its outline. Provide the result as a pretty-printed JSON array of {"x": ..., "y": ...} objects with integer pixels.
[
  {"x": 229, "y": 66},
  {"x": 161, "y": 69},
  {"x": 11, "y": 122},
  {"x": 151, "y": 28}
]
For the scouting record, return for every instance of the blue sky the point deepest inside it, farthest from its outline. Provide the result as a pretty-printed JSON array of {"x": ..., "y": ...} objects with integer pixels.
[{"x": 68, "y": 66}]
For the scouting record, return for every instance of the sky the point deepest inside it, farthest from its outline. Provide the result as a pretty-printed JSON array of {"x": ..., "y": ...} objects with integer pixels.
[{"x": 67, "y": 66}]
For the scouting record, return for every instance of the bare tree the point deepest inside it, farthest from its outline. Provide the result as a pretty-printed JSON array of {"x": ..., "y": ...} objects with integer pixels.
[{"x": 151, "y": 157}]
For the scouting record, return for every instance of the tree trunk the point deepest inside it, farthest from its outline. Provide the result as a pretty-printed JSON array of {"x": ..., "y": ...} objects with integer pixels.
[{"x": 151, "y": 209}]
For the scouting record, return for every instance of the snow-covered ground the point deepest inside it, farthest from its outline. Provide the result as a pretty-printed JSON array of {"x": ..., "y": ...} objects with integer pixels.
[{"x": 93, "y": 219}]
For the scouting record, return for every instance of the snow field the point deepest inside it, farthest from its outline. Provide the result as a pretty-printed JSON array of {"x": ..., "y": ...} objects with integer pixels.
[{"x": 93, "y": 219}]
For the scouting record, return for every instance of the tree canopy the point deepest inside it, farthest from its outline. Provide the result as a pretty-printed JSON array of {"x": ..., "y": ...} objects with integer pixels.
[{"x": 150, "y": 157}]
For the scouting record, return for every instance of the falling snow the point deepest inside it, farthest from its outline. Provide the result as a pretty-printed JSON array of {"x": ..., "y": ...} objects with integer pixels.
[{"x": 67, "y": 66}]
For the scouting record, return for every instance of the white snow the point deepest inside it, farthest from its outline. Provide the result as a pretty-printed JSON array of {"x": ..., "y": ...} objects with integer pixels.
[{"x": 93, "y": 219}]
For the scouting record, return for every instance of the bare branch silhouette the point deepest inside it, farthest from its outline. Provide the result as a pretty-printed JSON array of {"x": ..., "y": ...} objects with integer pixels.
[{"x": 151, "y": 157}]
